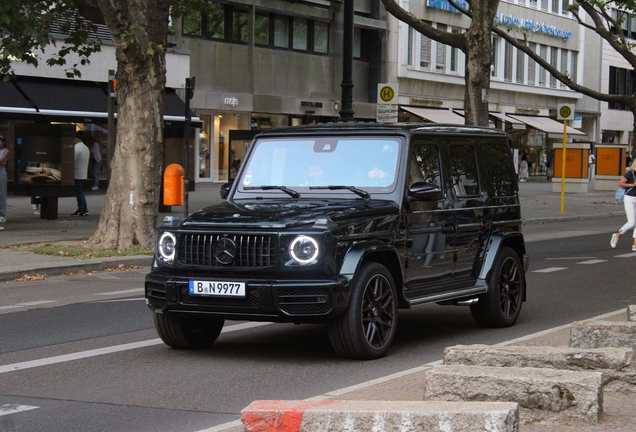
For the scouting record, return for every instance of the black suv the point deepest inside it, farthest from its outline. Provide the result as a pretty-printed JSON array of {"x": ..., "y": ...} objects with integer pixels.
[{"x": 343, "y": 224}]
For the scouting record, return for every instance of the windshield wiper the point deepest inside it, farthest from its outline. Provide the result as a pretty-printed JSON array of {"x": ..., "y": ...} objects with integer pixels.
[
  {"x": 364, "y": 194},
  {"x": 288, "y": 191}
]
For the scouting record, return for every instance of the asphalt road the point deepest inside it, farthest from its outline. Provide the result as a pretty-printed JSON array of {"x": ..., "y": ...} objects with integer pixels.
[{"x": 79, "y": 353}]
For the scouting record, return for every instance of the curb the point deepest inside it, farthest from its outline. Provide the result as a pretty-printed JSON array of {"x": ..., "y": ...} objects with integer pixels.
[{"x": 10, "y": 273}]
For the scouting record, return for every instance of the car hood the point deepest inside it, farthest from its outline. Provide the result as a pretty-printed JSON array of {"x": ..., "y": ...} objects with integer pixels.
[{"x": 286, "y": 213}]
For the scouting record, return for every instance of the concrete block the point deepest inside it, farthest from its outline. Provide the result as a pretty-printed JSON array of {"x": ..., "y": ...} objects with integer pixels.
[
  {"x": 631, "y": 313},
  {"x": 401, "y": 416},
  {"x": 542, "y": 394},
  {"x": 616, "y": 364},
  {"x": 602, "y": 334}
]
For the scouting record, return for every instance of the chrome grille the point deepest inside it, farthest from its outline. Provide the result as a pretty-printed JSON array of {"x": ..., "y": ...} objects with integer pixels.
[{"x": 251, "y": 250}]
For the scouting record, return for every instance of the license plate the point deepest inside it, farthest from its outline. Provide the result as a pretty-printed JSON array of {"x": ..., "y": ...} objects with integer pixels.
[{"x": 214, "y": 288}]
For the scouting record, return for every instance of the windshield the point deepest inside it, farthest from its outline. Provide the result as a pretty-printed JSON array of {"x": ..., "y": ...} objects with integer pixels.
[{"x": 301, "y": 164}]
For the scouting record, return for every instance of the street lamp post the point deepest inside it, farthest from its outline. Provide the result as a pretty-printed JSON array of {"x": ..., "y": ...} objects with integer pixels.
[{"x": 346, "y": 113}]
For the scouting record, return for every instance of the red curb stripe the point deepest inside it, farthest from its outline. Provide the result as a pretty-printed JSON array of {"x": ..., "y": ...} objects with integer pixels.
[{"x": 277, "y": 415}]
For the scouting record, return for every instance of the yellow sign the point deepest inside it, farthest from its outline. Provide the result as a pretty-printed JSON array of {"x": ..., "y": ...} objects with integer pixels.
[
  {"x": 565, "y": 112},
  {"x": 387, "y": 93}
]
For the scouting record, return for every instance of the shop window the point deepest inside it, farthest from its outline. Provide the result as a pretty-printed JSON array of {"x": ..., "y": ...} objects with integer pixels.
[
  {"x": 300, "y": 34},
  {"x": 261, "y": 29},
  {"x": 215, "y": 23},
  {"x": 321, "y": 37},
  {"x": 281, "y": 32},
  {"x": 239, "y": 26}
]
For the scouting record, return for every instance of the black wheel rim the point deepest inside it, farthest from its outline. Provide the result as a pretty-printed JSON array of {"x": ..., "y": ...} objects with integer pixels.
[
  {"x": 509, "y": 288},
  {"x": 378, "y": 311}
]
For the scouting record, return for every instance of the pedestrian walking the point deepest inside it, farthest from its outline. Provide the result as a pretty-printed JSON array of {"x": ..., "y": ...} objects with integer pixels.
[
  {"x": 96, "y": 158},
  {"x": 523, "y": 167},
  {"x": 628, "y": 181},
  {"x": 591, "y": 162},
  {"x": 549, "y": 164},
  {"x": 4, "y": 158},
  {"x": 82, "y": 155}
]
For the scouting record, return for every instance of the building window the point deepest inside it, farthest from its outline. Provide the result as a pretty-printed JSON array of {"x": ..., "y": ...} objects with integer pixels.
[
  {"x": 564, "y": 66},
  {"x": 300, "y": 34},
  {"x": 261, "y": 29},
  {"x": 544, "y": 5},
  {"x": 555, "y": 6},
  {"x": 321, "y": 37},
  {"x": 454, "y": 55},
  {"x": 357, "y": 42},
  {"x": 494, "y": 64},
  {"x": 574, "y": 68},
  {"x": 564, "y": 6},
  {"x": 621, "y": 82},
  {"x": 239, "y": 26},
  {"x": 191, "y": 24},
  {"x": 215, "y": 23},
  {"x": 533, "y": 4},
  {"x": 281, "y": 31},
  {"x": 532, "y": 65},
  {"x": 553, "y": 62},
  {"x": 409, "y": 59},
  {"x": 508, "y": 63},
  {"x": 426, "y": 45},
  {"x": 521, "y": 67},
  {"x": 440, "y": 51},
  {"x": 543, "y": 53}
]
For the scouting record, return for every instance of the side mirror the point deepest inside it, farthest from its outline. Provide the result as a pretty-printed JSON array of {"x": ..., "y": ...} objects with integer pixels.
[
  {"x": 423, "y": 191},
  {"x": 225, "y": 190}
]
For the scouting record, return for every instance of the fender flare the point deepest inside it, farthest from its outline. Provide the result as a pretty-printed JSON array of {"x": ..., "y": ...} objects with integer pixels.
[
  {"x": 356, "y": 254},
  {"x": 496, "y": 242}
]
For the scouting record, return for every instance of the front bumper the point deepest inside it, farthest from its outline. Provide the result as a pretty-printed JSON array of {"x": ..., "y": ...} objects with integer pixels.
[{"x": 265, "y": 300}]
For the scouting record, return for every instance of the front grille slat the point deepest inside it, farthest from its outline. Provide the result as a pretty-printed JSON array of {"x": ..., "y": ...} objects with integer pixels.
[{"x": 252, "y": 251}]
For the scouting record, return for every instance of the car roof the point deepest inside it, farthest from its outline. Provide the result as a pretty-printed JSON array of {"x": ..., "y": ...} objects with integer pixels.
[{"x": 355, "y": 127}]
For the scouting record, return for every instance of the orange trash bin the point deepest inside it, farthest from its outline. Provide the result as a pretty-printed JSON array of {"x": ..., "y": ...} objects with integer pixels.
[{"x": 173, "y": 185}]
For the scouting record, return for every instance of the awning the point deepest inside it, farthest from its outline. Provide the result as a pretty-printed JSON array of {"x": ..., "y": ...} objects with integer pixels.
[
  {"x": 546, "y": 124},
  {"x": 11, "y": 101},
  {"x": 74, "y": 100},
  {"x": 436, "y": 115},
  {"x": 516, "y": 124}
]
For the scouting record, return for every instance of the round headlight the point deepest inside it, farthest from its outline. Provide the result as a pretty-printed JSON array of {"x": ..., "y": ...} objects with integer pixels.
[
  {"x": 166, "y": 246},
  {"x": 304, "y": 249}
]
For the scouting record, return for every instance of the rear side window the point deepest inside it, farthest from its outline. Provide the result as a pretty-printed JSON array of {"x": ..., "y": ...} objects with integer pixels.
[
  {"x": 463, "y": 162},
  {"x": 424, "y": 164},
  {"x": 497, "y": 166}
]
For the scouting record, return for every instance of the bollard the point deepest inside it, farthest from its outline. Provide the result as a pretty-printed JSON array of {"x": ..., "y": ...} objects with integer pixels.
[{"x": 173, "y": 185}]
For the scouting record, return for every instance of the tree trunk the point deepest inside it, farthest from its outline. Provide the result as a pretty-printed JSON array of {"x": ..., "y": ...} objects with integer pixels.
[
  {"x": 139, "y": 30},
  {"x": 478, "y": 61}
]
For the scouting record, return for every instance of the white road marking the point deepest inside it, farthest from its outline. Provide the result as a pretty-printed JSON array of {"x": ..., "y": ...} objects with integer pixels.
[
  {"x": 627, "y": 255},
  {"x": 593, "y": 261},
  {"x": 35, "y": 303},
  {"x": 21, "y": 305},
  {"x": 119, "y": 300},
  {"x": 568, "y": 258},
  {"x": 109, "y": 350},
  {"x": 130, "y": 291},
  {"x": 7, "y": 409},
  {"x": 549, "y": 270}
]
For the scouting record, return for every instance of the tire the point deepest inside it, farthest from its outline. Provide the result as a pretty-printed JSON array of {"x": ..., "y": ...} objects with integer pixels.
[
  {"x": 367, "y": 328},
  {"x": 187, "y": 333},
  {"x": 501, "y": 305}
]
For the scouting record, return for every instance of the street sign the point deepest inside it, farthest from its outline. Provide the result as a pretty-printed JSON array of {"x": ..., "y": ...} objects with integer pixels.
[
  {"x": 565, "y": 112},
  {"x": 387, "y": 94}
]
